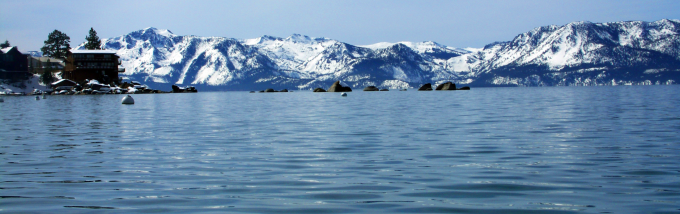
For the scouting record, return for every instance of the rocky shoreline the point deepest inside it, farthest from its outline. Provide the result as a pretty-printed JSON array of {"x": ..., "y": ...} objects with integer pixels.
[{"x": 337, "y": 87}]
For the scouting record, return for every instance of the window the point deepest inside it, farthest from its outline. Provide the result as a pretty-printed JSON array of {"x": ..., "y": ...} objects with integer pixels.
[
  {"x": 107, "y": 56},
  {"x": 90, "y": 56}
]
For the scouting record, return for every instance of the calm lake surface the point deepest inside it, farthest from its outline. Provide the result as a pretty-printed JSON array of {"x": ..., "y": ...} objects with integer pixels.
[{"x": 487, "y": 150}]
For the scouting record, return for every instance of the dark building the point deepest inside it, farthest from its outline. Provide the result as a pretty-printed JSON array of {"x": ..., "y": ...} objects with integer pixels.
[
  {"x": 101, "y": 65},
  {"x": 38, "y": 65},
  {"x": 13, "y": 64}
]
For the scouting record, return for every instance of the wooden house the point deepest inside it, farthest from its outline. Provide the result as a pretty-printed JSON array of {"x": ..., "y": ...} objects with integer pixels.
[
  {"x": 13, "y": 64},
  {"x": 101, "y": 65}
]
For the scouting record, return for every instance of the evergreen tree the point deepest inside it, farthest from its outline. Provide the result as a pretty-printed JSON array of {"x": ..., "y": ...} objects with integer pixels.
[
  {"x": 46, "y": 77},
  {"x": 56, "y": 45},
  {"x": 5, "y": 45},
  {"x": 93, "y": 42}
]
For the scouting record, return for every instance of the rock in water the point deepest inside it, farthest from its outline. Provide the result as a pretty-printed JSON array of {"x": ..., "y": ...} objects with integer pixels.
[
  {"x": 343, "y": 94},
  {"x": 284, "y": 90},
  {"x": 384, "y": 89},
  {"x": 176, "y": 89},
  {"x": 464, "y": 88},
  {"x": 270, "y": 90},
  {"x": 446, "y": 86},
  {"x": 371, "y": 88},
  {"x": 128, "y": 100},
  {"x": 426, "y": 87},
  {"x": 319, "y": 90},
  {"x": 336, "y": 87}
]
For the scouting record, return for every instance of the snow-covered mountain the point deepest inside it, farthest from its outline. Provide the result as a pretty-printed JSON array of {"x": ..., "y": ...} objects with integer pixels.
[
  {"x": 584, "y": 53},
  {"x": 579, "y": 53}
]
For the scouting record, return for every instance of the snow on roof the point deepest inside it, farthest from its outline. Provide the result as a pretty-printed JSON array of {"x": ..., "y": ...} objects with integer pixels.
[
  {"x": 93, "y": 52},
  {"x": 62, "y": 80},
  {"x": 7, "y": 49}
]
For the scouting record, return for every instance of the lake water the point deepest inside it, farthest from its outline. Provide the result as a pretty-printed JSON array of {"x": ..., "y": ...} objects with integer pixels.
[{"x": 487, "y": 150}]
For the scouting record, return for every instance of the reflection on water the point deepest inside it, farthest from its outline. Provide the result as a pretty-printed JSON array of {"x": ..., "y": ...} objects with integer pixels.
[{"x": 487, "y": 150}]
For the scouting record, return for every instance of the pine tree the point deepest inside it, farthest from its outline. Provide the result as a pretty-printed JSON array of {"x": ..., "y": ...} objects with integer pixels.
[
  {"x": 5, "y": 45},
  {"x": 93, "y": 42},
  {"x": 56, "y": 45},
  {"x": 46, "y": 77}
]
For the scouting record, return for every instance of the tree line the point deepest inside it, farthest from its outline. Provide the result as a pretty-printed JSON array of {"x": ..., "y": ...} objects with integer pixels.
[{"x": 57, "y": 45}]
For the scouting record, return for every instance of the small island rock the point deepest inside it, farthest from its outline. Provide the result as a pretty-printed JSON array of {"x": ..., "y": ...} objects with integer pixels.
[
  {"x": 446, "y": 86},
  {"x": 176, "y": 89},
  {"x": 319, "y": 90},
  {"x": 426, "y": 87},
  {"x": 336, "y": 87},
  {"x": 371, "y": 88}
]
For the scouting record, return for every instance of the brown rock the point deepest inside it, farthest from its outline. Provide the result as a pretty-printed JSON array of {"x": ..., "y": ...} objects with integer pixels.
[
  {"x": 426, "y": 87},
  {"x": 446, "y": 86},
  {"x": 371, "y": 88},
  {"x": 336, "y": 87}
]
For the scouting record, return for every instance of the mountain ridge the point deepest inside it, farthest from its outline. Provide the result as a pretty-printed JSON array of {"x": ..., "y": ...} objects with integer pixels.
[{"x": 578, "y": 53}]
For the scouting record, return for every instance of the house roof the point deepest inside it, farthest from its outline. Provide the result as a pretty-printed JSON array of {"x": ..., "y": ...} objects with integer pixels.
[
  {"x": 93, "y": 52},
  {"x": 7, "y": 49},
  {"x": 62, "y": 80}
]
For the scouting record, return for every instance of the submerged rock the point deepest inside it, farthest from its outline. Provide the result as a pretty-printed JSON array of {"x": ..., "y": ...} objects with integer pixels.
[
  {"x": 336, "y": 87},
  {"x": 270, "y": 90},
  {"x": 319, "y": 90},
  {"x": 464, "y": 88},
  {"x": 384, "y": 89},
  {"x": 426, "y": 87},
  {"x": 446, "y": 86},
  {"x": 371, "y": 88},
  {"x": 284, "y": 90}
]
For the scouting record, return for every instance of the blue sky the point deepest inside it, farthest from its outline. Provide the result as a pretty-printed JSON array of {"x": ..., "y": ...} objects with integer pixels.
[{"x": 26, "y": 23}]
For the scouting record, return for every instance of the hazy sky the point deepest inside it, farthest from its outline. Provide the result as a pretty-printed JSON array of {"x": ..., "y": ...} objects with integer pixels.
[{"x": 26, "y": 23}]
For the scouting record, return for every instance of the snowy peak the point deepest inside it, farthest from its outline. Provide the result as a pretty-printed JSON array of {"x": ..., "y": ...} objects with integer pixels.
[
  {"x": 261, "y": 40},
  {"x": 299, "y": 38},
  {"x": 152, "y": 33},
  {"x": 295, "y": 38},
  {"x": 429, "y": 48}
]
